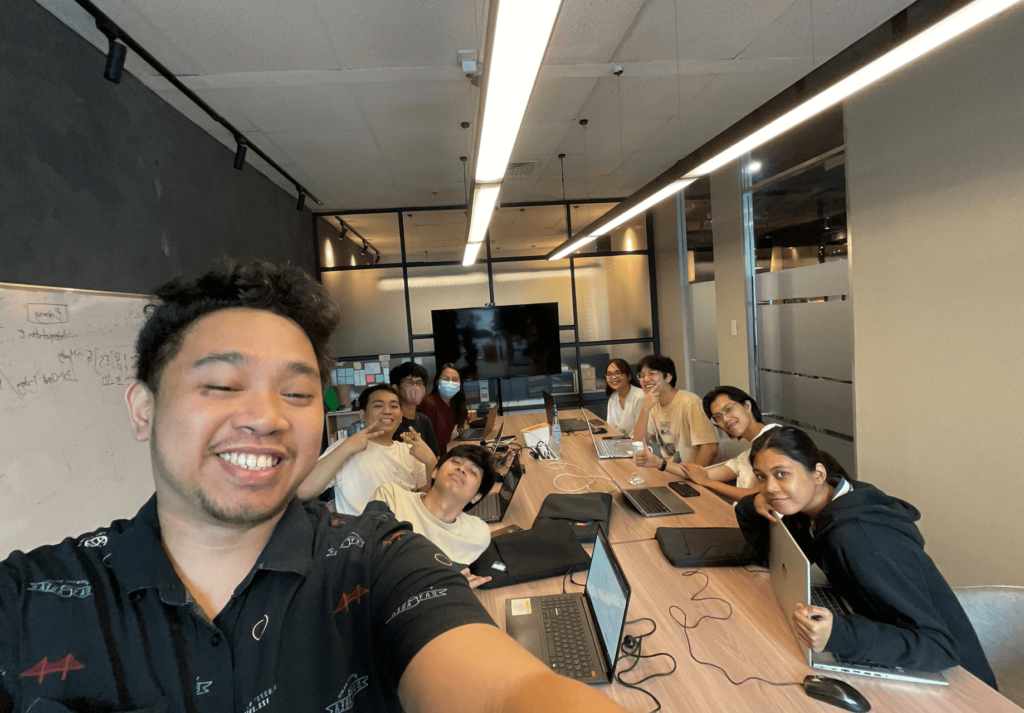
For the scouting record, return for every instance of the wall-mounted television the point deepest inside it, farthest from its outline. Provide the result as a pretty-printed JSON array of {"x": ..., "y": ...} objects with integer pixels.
[{"x": 498, "y": 342}]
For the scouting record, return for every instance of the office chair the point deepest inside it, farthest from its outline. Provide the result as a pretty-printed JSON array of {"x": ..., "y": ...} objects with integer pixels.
[{"x": 997, "y": 614}]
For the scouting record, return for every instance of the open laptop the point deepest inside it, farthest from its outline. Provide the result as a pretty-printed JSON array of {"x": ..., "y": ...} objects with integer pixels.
[
  {"x": 655, "y": 502},
  {"x": 577, "y": 635},
  {"x": 790, "y": 573},
  {"x": 493, "y": 506},
  {"x": 568, "y": 425},
  {"x": 478, "y": 434},
  {"x": 610, "y": 448}
]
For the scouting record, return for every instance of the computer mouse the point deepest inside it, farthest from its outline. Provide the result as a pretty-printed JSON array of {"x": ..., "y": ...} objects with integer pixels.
[
  {"x": 599, "y": 431},
  {"x": 836, "y": 693}
]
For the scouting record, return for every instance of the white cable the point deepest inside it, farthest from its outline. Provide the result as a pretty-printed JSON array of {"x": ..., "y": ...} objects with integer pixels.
[{"x": 561, "y": 465}]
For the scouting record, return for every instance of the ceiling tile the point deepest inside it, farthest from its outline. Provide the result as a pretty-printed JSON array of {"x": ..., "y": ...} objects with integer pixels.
[
  {"x": 297, "y": 108},
  {"x": 446, "y": 194},
  {"x": 788, "y": 36},
  {"x": 422, "y": 143},
  {"x": 540, "y": 138},
  {"x": 401, "y": 33},
  {"x": 332, "y": 176},
  {"x": 328, "y": 147},
  {"x": 439, "y": 103},
  {"x": 226, "y": 37},
  {"x": 722, "y": 29},
  {"x": 590, "y": 30},
  {"x": 559, "y": 98},
  {"x": 653, "y": 35},
  {"x": 428, "y": 173},
  {"x": 839, "y": 24},
  {"x": 740, "y": 93}
]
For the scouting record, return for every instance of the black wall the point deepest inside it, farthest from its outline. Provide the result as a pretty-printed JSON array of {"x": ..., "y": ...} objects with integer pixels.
[{"x": 105, "y": 186}]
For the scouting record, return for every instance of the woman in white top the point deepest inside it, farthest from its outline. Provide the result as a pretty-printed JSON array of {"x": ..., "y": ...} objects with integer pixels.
[
  {"x": 625, "y": 395},
  {"x": 736, "y": 413}
]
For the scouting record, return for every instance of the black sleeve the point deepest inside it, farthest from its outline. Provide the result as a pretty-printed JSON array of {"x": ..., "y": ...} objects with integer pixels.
[
  {"x": 426, "y": 430},
  {"x": 425, "y": 595},
  {"x": 892, "y": 573},
  {"x": 10, "y": 610},
  {"x": 753, "y": 526}
]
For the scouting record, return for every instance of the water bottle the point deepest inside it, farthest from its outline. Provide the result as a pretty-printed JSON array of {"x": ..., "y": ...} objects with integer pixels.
[{"x": 556, "y": 430}]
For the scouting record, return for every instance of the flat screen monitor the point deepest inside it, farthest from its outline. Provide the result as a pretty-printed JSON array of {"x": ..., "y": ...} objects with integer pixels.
[{"x": 498, "y": 342}]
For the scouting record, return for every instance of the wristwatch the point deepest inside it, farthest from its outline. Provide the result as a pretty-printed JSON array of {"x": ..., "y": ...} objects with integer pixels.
[{"x": 661, "y": 467}]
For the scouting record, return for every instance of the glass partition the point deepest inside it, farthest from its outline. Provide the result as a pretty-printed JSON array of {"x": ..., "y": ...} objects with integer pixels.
[
  {"x": 527, "y": 231},
  {"x": 373, "y": 320},
  {"x": 376, "y": 232},
  {"x": 524, "y": 282},
  {"x": 444, "y": 287},
  {"x": 434, "y": 235},
  {"x": 613, "y": 298}
]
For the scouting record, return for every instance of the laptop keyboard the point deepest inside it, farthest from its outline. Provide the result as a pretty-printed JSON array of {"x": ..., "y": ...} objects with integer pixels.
[
  {"x": 823, "y": 597},
  {"x": 609, "y": 448},
  {"x": 568, "y": 651},
  {"x": 648, "y": 502},
  {"x": 486, "y": 509}
]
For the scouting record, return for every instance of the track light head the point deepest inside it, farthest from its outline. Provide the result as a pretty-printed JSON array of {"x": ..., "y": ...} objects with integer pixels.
[
  {"x": 376, "y": 259},
  {"x": 302, "y": 201},
  {"x": 115, "y": 61},
  {"x": 240, "y": 153}
]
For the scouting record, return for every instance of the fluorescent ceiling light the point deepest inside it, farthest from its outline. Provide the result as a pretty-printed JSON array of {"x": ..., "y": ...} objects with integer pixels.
[
  {"x": 521, "y": 33},
  {"x": 754, "y": 166},
  {"x": 471, "y": 252},
  {"x": 605, "y": 228},
  {"x": 484, "y": 200},
  {"x": 938, "y": 34}
]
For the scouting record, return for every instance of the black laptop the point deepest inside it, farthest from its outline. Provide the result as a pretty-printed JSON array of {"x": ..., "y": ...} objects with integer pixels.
[
  {"x": 577, "y": 635},
  {"x": 493, "y": 506},
  {"x": 568, "y": 425},
  {"x": 478, "y": 434}
]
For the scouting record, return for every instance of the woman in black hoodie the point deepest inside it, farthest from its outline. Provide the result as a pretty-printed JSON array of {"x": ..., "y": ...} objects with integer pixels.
[{"x": 868, "y": 546}]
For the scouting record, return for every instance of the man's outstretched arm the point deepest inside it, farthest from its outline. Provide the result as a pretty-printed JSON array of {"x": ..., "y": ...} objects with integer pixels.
[{"x": 479, "y": 669}]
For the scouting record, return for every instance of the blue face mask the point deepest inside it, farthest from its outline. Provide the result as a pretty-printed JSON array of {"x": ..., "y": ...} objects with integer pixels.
[{"x": 448, "y": 389}]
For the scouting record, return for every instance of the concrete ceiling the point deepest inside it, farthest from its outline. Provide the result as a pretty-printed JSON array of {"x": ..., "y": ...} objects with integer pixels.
[{"x": 361, "y": 100}]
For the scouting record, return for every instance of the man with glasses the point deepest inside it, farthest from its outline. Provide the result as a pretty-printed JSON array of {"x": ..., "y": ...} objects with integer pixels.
[
  {"x": 411, "y": 381},
  {"x": 674, "y": 418}
]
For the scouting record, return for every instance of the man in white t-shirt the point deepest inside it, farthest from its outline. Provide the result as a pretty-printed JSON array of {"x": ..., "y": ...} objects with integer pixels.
[
  {"x": 463, "y": 476},
  {"x": 366, "y": 460},
  {"x": 672, "y": 418}
]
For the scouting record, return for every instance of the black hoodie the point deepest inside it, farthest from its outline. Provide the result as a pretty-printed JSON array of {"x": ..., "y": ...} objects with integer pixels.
[{"x": 868, "y": 546}]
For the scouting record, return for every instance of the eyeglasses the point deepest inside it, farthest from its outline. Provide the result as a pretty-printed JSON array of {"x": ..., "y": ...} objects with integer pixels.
[
  {"x": 649, "y": 374},
  {"x": 612, "y": 374},
  {"x": 719, "y": 418},
  {"x": 450, "y": 380},
  {"x": 412, "y": 382}
]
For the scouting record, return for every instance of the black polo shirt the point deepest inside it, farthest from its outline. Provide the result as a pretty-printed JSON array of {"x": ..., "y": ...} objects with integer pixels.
[{"x": 328, "y": 619}]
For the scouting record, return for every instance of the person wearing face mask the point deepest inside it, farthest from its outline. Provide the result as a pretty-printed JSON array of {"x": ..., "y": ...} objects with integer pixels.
[
  {"x": 446, "y": 407},
  {"x": 411, "y": 381},
  {"x": 366, "y": 460},
  {"x": 625, "y": 397}
]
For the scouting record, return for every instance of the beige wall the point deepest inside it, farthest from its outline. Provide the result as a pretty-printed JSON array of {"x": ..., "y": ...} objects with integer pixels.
[
  {"x": 731, "y": 281},
  {"x": 667, "y": 266},
  {"x": 935, "y": 175}
]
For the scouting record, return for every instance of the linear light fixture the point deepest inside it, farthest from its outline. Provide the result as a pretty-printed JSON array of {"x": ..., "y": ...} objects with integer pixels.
[
  {"x": 485, "y": 197},
  {"x": 934, "y": 36},
  {"x": 472, "y": 250},
  {"x": 517, "y": 38}
]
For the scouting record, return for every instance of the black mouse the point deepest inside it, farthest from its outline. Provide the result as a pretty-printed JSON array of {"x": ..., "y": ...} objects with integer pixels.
[
  {"x": 836, "y": 693},
  {"x": 599, "y": 431}
]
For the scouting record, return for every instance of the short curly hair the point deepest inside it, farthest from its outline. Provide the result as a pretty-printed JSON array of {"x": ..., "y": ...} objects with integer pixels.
[{"x": 287, "y": 291}]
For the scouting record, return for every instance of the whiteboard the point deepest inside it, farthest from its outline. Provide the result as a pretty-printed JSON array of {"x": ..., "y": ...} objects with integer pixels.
[{"x": 68, "y": 462}]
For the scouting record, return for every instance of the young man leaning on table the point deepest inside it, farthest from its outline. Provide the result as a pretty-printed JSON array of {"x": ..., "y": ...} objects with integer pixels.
[
  {"x": 463, "y": 475},
  {"x": 366, "y": 460},
  {"x": 225, "y": 592},
  {"x": 674, "y": 418}
]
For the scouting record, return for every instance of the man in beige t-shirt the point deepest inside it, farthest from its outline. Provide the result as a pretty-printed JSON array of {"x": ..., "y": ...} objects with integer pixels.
[{"x": 672, "y": 418}]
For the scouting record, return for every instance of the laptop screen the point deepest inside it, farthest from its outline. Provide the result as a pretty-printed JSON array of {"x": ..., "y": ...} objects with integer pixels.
[
  {"x": 510, "y": 483},
  {"x": 608, "y": 593}
]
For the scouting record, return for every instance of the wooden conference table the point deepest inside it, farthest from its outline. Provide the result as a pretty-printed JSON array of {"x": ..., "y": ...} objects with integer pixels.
[{"x": 755, "y": 641}]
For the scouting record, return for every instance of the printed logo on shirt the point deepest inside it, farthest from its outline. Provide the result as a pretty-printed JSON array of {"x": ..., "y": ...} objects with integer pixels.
[
  {"x": 395, "y": 537},
  {"x": 65, "y": 588},
  {"x": 666, "y": 439},
  {"x": 352, "y": 540},
  {"x": 443, "y": 560},
  {"x": 259, "y": 627},
  {"x": 354, "y": 685},
  {"x": 416, "y": 599},
  {"x": 97, "y": 540},
  {"x": 261, "y": 700},
  {"x": 337, "y": 522},
  {"x": 354, "y": 596},
  {"x": 44, "y": 668},
  {"x": 202, "y": 687}
]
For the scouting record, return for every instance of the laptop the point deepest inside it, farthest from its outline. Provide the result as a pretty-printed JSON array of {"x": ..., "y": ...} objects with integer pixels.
[
  {"x": 478, "y": 434},
  {"x": 790, "y": 573},
  {"x": 610, "y": 448},
  {"x": 655, "y": 502},
  {"x": 568, "y": 425},
  {"x": 497, "y": 439},
  {"x": 493, "y": 506},
  {"x": 577, "y": 635}
]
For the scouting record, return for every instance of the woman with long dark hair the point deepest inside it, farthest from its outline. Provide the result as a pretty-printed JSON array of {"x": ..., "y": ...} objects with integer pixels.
[
  {"x": 868, "y": 546},
  {"x": 625, "y": 395},
  {"x": 446, "y": 406}
]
